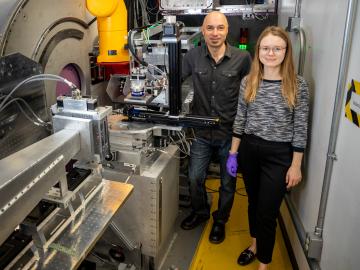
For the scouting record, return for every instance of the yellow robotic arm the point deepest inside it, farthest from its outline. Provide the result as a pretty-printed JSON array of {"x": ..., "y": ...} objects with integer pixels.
[{"x": 112, "y": 26}]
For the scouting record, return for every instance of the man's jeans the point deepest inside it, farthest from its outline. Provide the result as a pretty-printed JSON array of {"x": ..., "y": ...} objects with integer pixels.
[{"x": 200, "y": 156}]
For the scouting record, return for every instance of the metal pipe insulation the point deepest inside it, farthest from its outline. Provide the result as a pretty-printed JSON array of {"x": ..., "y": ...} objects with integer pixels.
[
  {"x": 341, "y": 84},
  {"x": 294, "y": 26},
  {"x": 302, "y": 53},
  {"x": 297, "y": 9}
]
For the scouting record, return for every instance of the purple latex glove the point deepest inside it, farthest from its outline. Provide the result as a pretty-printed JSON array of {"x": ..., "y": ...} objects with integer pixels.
[{"x": 231, "y": 164}]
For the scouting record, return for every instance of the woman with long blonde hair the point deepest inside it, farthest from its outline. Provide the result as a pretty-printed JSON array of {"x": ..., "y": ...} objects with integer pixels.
[{"x": 270, "y": 131}]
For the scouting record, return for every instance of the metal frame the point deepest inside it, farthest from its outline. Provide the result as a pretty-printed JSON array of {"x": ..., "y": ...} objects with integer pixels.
[
  {"x": 29, "y": 173},
  {"x": 188, "y": 9}
]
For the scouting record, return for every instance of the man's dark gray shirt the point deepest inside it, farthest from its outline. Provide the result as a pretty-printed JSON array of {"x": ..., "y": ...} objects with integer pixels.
[{"x": 216, "y": 86}]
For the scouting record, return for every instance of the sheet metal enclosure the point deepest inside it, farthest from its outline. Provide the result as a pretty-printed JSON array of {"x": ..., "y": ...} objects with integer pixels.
[
  {"x": 148, "y": 217},
  {"x": 93, "y": 128}
]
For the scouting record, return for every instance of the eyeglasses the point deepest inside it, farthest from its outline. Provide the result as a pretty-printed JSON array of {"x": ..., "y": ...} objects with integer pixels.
[{"x": 275, "y": 50}]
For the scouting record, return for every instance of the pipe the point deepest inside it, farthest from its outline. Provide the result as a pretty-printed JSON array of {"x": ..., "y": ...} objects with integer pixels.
[
  {"x": 297, "y": 9},
  {"x": 299, "y": 30},
  {"x": 341, "y": 84},
  {"x": 301, "y": 63},
  {"x": 294, "y": 25},
  {"x": 300, "y": 231}
]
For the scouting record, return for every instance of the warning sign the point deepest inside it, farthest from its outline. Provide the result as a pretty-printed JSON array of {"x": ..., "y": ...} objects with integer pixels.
[{"x": 352, "y": 105}]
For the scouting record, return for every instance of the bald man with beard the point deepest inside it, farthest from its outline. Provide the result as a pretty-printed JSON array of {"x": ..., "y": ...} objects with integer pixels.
[{"x": 216, "y": 70}]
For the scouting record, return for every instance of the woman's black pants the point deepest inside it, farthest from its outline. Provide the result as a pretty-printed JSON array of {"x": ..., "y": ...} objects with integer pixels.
[{"x": 264, "y": 165}]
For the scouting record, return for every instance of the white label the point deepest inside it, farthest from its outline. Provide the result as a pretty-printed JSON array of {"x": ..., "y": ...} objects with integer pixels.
[{"x": 355, "y": 103}]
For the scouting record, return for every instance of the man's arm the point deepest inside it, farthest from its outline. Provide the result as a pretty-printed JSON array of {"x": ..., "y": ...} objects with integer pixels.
[
  {"x": 186, "y": 66},
  {"x": 247, "y": 64}
]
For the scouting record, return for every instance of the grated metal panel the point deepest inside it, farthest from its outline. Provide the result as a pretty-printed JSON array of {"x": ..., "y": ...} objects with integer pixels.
[{"x": 185, "y": 4}]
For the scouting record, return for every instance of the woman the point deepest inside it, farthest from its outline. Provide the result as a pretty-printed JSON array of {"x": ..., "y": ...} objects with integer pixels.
[{"x": 271, "y": 124}]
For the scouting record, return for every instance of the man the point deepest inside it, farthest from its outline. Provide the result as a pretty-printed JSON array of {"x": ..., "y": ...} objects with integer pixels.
[{"x": 217, "y": 70}]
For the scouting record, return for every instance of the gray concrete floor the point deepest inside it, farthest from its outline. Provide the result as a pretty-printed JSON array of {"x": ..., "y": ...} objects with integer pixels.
[{"x": 183, "y": 246}]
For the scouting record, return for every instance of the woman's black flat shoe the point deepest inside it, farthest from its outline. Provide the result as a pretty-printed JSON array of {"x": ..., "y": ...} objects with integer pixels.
[{"x": 246, "y": 257}]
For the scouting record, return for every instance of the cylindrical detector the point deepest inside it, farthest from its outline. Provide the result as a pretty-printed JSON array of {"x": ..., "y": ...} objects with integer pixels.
[{"x": 112, "y": 27}]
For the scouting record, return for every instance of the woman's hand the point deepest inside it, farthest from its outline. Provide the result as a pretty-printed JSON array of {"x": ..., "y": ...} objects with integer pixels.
[{"x": 293, "y": 176}]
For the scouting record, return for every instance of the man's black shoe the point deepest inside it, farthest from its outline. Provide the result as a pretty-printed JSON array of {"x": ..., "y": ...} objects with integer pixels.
[
  {"x": 246, "y": 257},
  {"x": 193, "y": 221},
  {"x": 217, "y": 234}
]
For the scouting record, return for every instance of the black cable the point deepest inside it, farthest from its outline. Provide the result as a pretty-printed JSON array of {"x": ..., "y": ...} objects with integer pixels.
[
  {"x": 131, "y": 45},
  {"x": 215, "y": 191},
  {"x": 238, "y": 193},
  {"x": 132, "y": 50},
  {"x": 92, "y": 21},
  {"x": 237, "y": 190},
  {"x": 130, "y": 13},
  {"x": 211, "y": 190}
]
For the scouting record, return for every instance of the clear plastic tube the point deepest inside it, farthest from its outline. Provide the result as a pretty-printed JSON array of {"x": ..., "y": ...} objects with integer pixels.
[
  {"x": 39, "y": 77},
  {"x": 40, "y": 123}
]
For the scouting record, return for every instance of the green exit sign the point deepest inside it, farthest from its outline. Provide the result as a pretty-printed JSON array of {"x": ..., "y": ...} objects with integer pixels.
[{"x": 243, "y": 46}]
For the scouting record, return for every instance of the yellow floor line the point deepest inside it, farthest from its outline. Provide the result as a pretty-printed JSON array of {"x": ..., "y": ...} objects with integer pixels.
[{"x": 224, "y": 256}]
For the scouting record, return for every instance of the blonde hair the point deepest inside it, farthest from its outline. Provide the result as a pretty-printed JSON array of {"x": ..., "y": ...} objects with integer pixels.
[{"x": 287, "y": 70}]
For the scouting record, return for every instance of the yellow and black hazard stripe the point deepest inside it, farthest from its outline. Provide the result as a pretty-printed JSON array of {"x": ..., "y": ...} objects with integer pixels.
[{"x": 354, "y": 117}]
